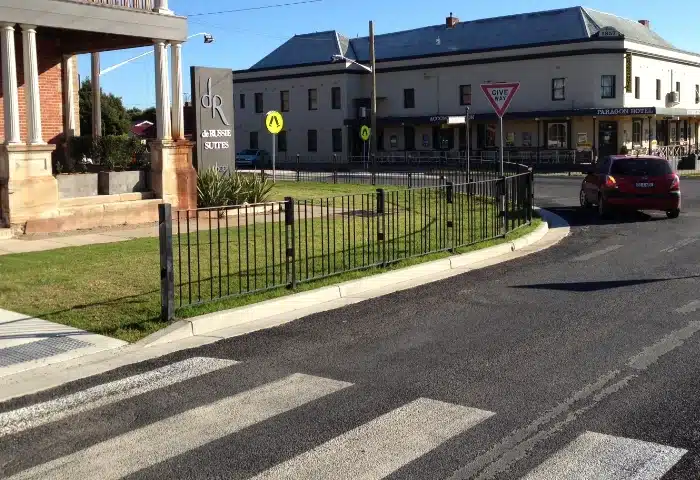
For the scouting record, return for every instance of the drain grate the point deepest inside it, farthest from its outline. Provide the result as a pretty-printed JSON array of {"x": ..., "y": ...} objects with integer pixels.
[{"x": 39, "y": 349}]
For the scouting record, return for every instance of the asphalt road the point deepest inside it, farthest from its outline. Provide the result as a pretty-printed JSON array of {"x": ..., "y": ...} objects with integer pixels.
[{"x": 579, "y": 362}]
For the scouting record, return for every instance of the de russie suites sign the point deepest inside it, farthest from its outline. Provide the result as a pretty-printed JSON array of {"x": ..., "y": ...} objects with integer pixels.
[{"x": 212, "y": 99}]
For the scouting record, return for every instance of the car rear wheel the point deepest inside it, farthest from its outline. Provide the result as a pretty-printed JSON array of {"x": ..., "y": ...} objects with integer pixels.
[
  {"x": 673, "y": 213},
  {"x": 583, "y": 200},
  {"x": 603, "y": 209}
]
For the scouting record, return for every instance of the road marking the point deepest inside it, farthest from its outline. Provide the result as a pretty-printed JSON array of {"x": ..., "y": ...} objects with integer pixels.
[
  {"x": 173, "y": 436},
  {"x": 689, "y": 308},
  {"x": 604, "y": 457},
  {"x": 670, "y": 342},
  {"x": 597, "y": 253},
  {"x": 112, "y": 392},
  {"x": 681, "y": 244},
  {"x": 383, "y": 445}
]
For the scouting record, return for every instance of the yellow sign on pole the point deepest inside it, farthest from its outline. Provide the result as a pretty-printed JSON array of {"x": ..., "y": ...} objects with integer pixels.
[
  {"x": 365, "y": 132},
  {"x": 274, "y": 122}
]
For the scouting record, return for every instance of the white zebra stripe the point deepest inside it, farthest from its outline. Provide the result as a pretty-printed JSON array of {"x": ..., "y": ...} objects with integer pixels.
[
  {"x": 173, "y": 436},
  {"x": 112, "y": 392},
  {"x": 383, "y": 445},
  {"x": 604, "y": 457}
]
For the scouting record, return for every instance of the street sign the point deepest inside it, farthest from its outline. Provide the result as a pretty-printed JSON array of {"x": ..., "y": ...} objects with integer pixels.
[
  {"x": 500, "y": 95},
  {"x": 365, "y": 132},
  {"x": 274, "y": 122}
]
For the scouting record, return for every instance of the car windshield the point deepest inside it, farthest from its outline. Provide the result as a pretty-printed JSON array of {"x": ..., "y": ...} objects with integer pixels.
[
  {"x": 248, "y": 152},
  {"x": 640, "y": 167}
]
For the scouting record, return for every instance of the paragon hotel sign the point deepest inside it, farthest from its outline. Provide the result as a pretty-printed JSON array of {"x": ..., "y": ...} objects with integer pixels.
[{"x": 212, "y": 99}]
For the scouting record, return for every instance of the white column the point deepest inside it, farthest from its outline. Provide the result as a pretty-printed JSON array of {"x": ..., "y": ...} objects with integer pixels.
[
  {"x": 31, "y": 85},
  {"x": 162, "y": 91},
  {"x": 178, "y": 115},
  {"x": 9, "y": 83},
  {"x": 69, "y": 117},
  {"x": 161, "y": 6}
]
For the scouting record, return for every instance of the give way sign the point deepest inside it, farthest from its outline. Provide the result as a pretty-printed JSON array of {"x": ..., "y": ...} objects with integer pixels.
[{"x": 500, "y": 95}]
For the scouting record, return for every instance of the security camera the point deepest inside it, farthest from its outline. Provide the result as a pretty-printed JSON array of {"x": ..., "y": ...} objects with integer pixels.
[{"x": 208, "y": 38}]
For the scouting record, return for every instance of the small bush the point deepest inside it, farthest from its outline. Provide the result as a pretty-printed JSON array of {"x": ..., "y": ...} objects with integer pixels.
[
  {"x": 109, "y": 153},
  {"x": 216, "y": 189}
]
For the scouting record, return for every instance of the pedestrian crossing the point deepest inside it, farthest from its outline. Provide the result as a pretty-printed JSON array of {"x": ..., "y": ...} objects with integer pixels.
[{"x": 374, "y": 449}]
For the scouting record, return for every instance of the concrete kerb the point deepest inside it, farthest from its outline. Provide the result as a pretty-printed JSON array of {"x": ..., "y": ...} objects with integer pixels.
[{"x": 292, "y": 307}]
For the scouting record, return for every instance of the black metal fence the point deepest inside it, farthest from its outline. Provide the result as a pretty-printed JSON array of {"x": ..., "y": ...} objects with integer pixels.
[{"x": 214, "y": 253}]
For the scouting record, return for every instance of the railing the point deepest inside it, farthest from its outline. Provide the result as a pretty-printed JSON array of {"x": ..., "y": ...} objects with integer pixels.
[
  {"x": 672, "y": 151},
  {"x": 148, "y": 5},
  {"x": 215, "y": 253}
]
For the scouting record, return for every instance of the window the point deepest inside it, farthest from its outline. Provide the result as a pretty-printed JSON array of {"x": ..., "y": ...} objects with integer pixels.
[
  {"x": 253, "y": 144},
  {"x": 638, "y": 167},
  {"x": 465, "y": 94},
  {"x": 284, "y": 100},
  {"x": 558, "y": 89},
  {"x": 678, "y": 89},
  {"x": 658, "y": 89},
  {"x": 313, "y": 99},
  {"x": 557, "y": 135},
  {"x": 607, "y": 86},
  {"x": 241, "y": 100},
  {"x": 409, "y": 98},
  {"x": 637, "y": 133},
  {"x": 282, "y": 141},
  {"x": 335, "y": 98},
  {"x": 337, "y": 134},
  {"x": 258, "y": 103},
  {"x": 637, "y": 82},
  {"x": 312, "y": 140}
]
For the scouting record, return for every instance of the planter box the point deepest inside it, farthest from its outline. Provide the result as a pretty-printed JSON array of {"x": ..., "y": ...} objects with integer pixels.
[
  {"x": 116, "y": 183},
  {"x": 77, "y": 185}
]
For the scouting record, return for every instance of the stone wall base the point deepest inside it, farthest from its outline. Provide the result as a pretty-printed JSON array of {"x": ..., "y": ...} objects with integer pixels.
[
  {"x": 173, "y": 176},
  {"x": 28, "y": 188}
]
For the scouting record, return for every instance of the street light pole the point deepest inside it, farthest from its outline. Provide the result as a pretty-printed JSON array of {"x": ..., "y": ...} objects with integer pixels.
[
  {"x": 373, "y": 113},
  {"x": 208, "y": 38},
  {"x": 466, "y": 121}
]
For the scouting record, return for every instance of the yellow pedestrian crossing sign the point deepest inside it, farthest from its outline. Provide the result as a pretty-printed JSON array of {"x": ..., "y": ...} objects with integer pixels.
[
  {"x": 365, "y": 132},
  {"x": 274, "y": 122}
]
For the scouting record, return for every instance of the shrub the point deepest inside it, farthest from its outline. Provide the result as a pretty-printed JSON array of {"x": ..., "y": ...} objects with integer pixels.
[
  {"x": 110, "y": 152},
  {"x": 217, "y": 189}
]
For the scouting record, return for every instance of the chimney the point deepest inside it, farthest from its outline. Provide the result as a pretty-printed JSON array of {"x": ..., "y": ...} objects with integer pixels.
[
  {"x": 646, "y": 23},
  {"x": 451, "y": 21}
]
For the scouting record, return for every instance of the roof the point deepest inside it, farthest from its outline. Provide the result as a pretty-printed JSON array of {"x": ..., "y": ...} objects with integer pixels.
[{"x": 526, "y": 29}]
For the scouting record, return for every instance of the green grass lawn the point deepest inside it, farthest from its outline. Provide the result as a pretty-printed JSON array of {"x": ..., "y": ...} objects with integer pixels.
[{"x": 113, "y": 289}]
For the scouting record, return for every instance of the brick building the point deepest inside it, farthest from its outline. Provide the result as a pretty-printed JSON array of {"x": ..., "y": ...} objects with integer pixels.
[{"x": 39, "y": 42}]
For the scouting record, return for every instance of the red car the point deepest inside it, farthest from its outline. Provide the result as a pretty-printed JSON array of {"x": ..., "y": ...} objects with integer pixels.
[{"x": 640, "y": 182}]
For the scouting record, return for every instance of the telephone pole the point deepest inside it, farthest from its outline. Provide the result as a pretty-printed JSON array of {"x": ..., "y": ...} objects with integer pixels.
[{"x": 373, "y": 110}]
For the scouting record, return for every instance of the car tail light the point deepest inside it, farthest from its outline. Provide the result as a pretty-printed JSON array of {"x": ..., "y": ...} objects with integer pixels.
[
  {"x": 675, "y": 183},
  {"x": 610, "y": 181}
]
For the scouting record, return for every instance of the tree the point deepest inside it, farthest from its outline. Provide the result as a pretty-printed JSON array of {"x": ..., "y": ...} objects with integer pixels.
[
  {"x": 115, "y": 118},
  {"x": 138, "y": 115}
]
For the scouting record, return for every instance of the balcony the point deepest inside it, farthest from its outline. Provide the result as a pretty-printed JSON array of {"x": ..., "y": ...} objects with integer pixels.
[{"x": 145, "y": 5}]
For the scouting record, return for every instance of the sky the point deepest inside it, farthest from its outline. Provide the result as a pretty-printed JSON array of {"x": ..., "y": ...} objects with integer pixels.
[{"x": 242, "y": 38}]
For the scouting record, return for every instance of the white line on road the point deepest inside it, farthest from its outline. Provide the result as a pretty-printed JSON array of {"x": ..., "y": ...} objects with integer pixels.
[
  {"x": 112, "y": 392},
  {"x": 604, "y": 457},
  {"x": 168, "y": 438},
  {"x": 689, "y": 307},
  {"x": 597, "y": 253},
  {"x": 383, "y": 445},
  {"x": 670, "y": 342},
  {"x": 681, "y": 244}
]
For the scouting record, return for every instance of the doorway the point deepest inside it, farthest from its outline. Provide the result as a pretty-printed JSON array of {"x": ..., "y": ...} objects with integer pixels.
[{"x": 607, "y": 139}]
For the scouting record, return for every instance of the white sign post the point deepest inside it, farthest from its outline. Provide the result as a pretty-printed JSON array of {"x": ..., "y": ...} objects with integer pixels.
[
  {"x": 500, "y": 95},
  {"x": 274, "y": 123}
]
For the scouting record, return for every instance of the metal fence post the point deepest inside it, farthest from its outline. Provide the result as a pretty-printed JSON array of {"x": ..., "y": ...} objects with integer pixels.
[
  {"x": 381, "y": 237},
  {"x": 298, "y": 167},
  {"x": 167, "y": 273},
  {"x": 449, "y": 197},
  {"x": 503, "y": 204},
  {"x": 410, "y": 180},
  {"x": 531, "y": 194},
  {"x": 335, "y": 169},
  {"x": 290, "y": 242},
  {"x": 374, "y": 174}
]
